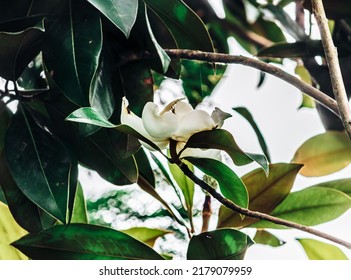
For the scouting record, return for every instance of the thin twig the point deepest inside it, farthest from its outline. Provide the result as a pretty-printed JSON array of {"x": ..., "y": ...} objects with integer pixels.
[
  {"x": 316, "y": 94},
  {"x": 258, "y": 215},
  {"x": 331, "y": 56}
]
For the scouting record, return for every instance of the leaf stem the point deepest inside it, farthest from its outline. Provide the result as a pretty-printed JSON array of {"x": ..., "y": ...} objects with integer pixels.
[
  {"x": 331, "y": 56},
  {"x": 316, "y": 94},
  {"x": 258, "y": 215}
]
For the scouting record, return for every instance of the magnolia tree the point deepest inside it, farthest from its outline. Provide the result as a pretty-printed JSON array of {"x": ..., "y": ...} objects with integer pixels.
[{"x": 79, "y": 77}]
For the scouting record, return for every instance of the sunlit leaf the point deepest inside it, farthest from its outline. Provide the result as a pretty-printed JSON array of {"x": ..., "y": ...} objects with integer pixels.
[
  {"x": 318, "y": 250},
  {"x": 343, "y": 185},
  {"x": 9, "y": 232},
  {"x": 230, "y": 184},
  {"x": 247, "y": 115},
  {"x": 222, "y": 140},
  {"x": 324, "y": 154},
  {"x": 31, "y": 151},
  {"x": 222, "y": 244},
  {"x": 89, "y": 115},
  {"x": 266, "y": 238},
  {"x": 84, "y": 242},
  {"x": 79, "y": 214},
  {"x": 120, "y": 12},
  {"x": 186, "y": 185},
  {"x": 146, "y": 235},
  {"x": 310, "y": 206},
  {"x": 265, "y": 193},
  {"x": 302, "y": 72}
]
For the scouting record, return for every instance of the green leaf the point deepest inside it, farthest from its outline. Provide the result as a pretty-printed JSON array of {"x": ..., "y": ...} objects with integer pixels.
[
  {"x": 343, "y": 185},
  {"x": 290, "y": 26},
  {"x": 144, "y": 166},
  {"x": 311, "y": 206},
  {"x": 302, "y": 72},
  {"x": 247, "y": 115},
  {"x": 33, "y": 152},
  {"x": 84, "y": 242},
  {"x": 266, "y": 238},
  {"x": 318, "y": 250},
  {"x": 222, "y": 140},
  {"x": 79, "y": 214},
  {"x": 230, "y": 184},
  {"x": 186, "y": 185},
  {"x": 146, "y": 235},
  {"x": 222, "y": 244},
  {"x": 19, "y": 47},
  {"x": 91, "y": 116},
  {"x": 178, "y": 17},
  {"x": 72, "y": 50},
  {"x": 5, "y": 117},
  {"x": 121, "y": 13},
  {"x": 324, "y": 154},
  {"x": 265, "y": 193},
  {"x": 26, "y": 213},
  {"x": 9, "y": 232}
]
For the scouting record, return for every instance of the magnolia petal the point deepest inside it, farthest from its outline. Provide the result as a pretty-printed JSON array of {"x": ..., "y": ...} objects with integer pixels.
[
  {"x": 132, "y": 120},
  {"x": 191, "y": 123},
  {"x": 181, "y": 109},
  {"x": 158, "y": 126},
  {"x": 219, "y": 116}
]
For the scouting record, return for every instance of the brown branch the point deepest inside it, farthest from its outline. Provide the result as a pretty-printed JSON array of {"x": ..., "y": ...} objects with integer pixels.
[
  {"x": 257, "y": 215},
  {"x": 206, "y": 213},
  {"x": 331, "y": 56},
  {"x": 316, "y": 94}
]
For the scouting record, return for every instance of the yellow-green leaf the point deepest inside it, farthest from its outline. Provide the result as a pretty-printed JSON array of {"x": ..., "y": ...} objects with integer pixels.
[
  {"x": 302, "y": 72},
  {"x": 9, "y": 231},
  {"x": 265, "y": 193},
  {"x": 324, "y": 154},
  {"x": 146, "y": 235},
  {"x": 318, "y": 250}
]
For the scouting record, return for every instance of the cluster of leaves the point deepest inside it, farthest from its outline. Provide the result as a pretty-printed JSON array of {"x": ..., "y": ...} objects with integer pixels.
[{"x": 83, "y": 56}]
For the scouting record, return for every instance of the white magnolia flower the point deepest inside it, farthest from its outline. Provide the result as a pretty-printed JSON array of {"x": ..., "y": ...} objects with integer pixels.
[{"x": 177, "y": 121}]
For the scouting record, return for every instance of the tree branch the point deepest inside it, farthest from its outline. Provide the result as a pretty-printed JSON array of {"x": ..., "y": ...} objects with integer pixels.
[
  {"x": 316, "y": 94},
  {"x": 258, "y": 215},
  {"x": 331, "y": 56}
]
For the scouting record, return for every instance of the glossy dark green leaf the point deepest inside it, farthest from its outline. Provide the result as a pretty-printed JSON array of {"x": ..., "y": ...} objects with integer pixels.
[
  {"x": 222, "y": 140},
  {"x": 79, "y": 214},
  {"x": 298, "y": 49},
  {"x": 9, "y": 232},
  {"x": 199, "y": 79},
  {"x": 26, "y": 213},
  {"x": 2, "y": 196},
  {"x": 31, "y": 151},
  {"x": 310, "y": 206},
  {"x": 144, "y": 166},
  {"x": 5, "y": 117},
  {"x": 146, "y": 235},
  {"x": 84, "y": 242},
  {"x": 186, "y": 27},
  {"x": 72, "y": 49},
  {"x": 266, "y": 238},
  {"x": 230, "y": 184},
  {"x": 121, "y": 13},
  {"x": 91, "y": 116},
  {"x": 343, "y": 185},
  {"x": 222, "y": 244},
  {"x": 324, "y": 154},
  {"x": 18, "y": 48},
  {"x": 247, "y": 115},
  {"x": 265, "y": 193},
  {"x": 318, "y": 250}
]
